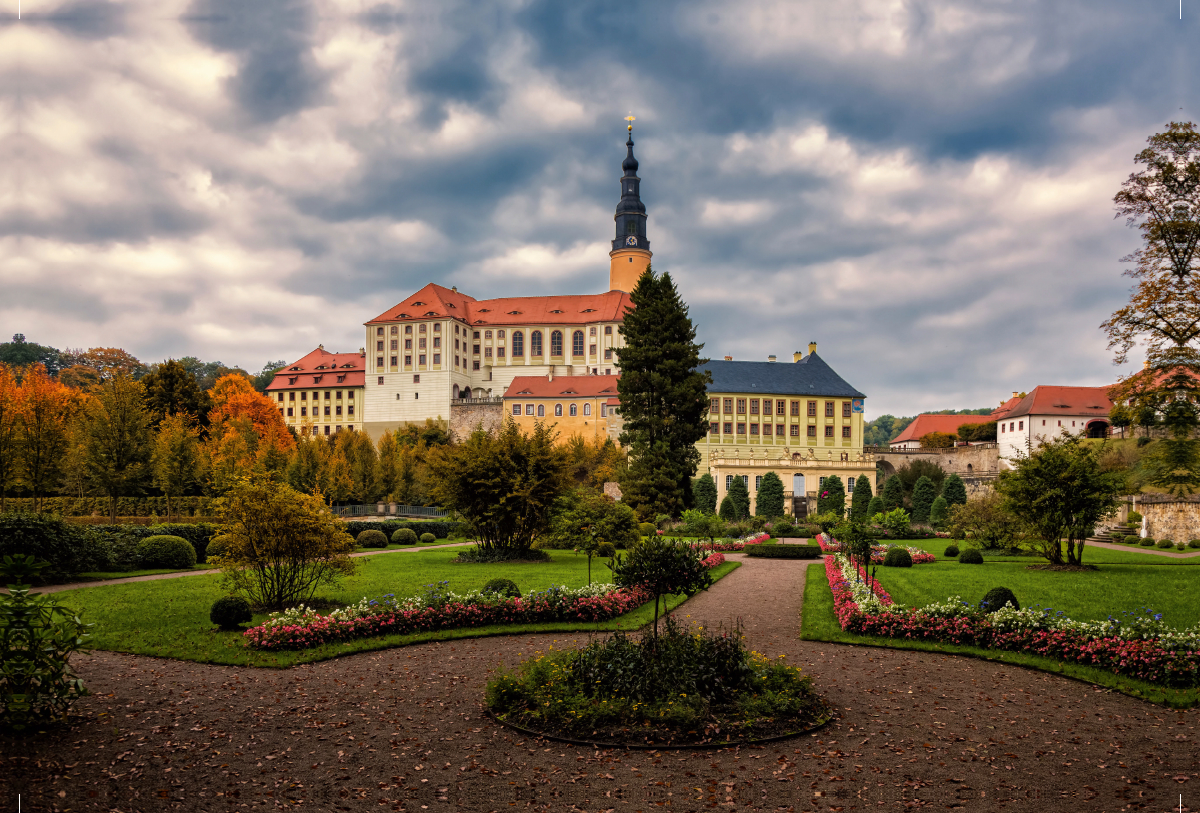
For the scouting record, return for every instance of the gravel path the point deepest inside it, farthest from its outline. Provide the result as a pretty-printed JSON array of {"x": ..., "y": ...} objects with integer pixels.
[{"x": 403, "y": 729}]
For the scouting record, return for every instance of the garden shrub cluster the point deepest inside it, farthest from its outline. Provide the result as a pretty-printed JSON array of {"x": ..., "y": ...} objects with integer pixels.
[
  {"x": 681, "y": 685},
  {"x": 879, "y": 552},
  {"x": 427, "y": 538},
  {"x": 371, "y": 539},
  {"x": 502, "y": 587},
  {"x": 951, "y": 551},
  {"x": 230, "y": 612},
  {"x": 784, "y": 551},
  {"x": 441, "y": 529},
  {"x": 1141, "y": 647},
  {"x": 65, "y": 549},
  {"x": 897, "y": 557},
  {"x": 404, "y": 536},
  {"x": 970, "y": 556},
  {"x": 163, "y": 551},
  {"x": 126, "y": 506}
]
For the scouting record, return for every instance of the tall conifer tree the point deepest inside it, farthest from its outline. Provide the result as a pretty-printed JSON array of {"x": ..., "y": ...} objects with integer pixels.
[
  {"x": 861, "y": 500},
  {"x": 663, "y": 399}
]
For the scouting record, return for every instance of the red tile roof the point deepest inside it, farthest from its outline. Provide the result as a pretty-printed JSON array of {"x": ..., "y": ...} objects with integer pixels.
[
  {"x": 923, "y": 424},
  {"x": 1003, "y": 410},
  {"x": 1044, "y": 400},
  {"x": 433, "y": 301},
  {"x": 563, "y": 386},
  {"x": 340, "y": 370}
]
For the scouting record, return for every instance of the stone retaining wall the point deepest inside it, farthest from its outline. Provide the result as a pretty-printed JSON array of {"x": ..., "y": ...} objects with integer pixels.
[
  {"x": 464, "y": 418},
  {"x": 1168, "y": 518}
]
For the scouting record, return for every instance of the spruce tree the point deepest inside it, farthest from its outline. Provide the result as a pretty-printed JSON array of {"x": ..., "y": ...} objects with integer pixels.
[
  {"x": 740, "y": 496},
  {"x": 954, "y": 491},
  {"x": 876, "y": 507},
  {"x": 893, "y": 494},
  {"x": 664, "y": 403},
  {"x": 939, "y": 512},
  {"x": 704, "y": 491},
  {"x": 832, "y": 496},
  {"x": 728, "y": 509},
  {"x": 861, "y": 500},
  {"x": 769, "y": 500},
  {"x": 924, "y": 493}
]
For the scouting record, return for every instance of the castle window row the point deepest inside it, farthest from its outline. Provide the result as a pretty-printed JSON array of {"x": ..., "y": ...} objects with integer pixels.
[
  {"x": 754, "y": 429},
  {"x": 539, "y": 410},
  {"x": 770, "y": 406}
]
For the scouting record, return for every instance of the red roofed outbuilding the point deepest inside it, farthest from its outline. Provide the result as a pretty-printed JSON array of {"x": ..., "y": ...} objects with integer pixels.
[
  {"x": 1047, "y": 412},
  {"x": 321, "y": 393}
]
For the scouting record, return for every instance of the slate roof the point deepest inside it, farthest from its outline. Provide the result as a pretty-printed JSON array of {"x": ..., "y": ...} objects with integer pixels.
[{"x": 809, "y": 376}]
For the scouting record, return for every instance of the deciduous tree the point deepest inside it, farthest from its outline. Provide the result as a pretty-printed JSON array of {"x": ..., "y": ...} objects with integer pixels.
[
  {"x": 172, "y": 390},
  {"x": 175, "y": 458},
  {"x": 47, "y": 412},
  {"x": 10, "y": 435},
  {"x": 117, "y": 439}
]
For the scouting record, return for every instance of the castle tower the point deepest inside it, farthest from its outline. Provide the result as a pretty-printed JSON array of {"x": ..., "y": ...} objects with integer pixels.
[{"x": 630, "y": 255}]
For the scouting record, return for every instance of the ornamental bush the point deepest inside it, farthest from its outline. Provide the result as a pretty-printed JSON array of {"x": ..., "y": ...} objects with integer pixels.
[
  {"x": 970, "y": 556},
  {"x": 1194, "y": 543},
  {"x": 923, "y": 495},
  {"x": 951, "y": 551},
  {"x": 1166, "y": 543},
  {"x": 997, "y": 598},
  {"x": 1180, "y": 546},
  {"x": 606, "y": 549},
  {"x": 230, "y": 612},
  {"x": 404, "y": 536},
  {"x": 648, "y": 528},
  {"x": 502, "y": 587},
  {"x": 662, "y": 567},
  {"x": 728, "y": 510},
  {"x": 166, "y": 551},
  {"x": 1147, "y": 542},
  {"x": 875, "y": 506},
  {"x": 372, "y": 539},
  {"x": 1135, "y": 518},
  {"x": 200, "y": 534},
  {"x": 427, "y": 538},
  {"x": 783, "y": 551},
  {"x": 939, "y": 512},
  {"x": 897, "y": 557},
  {"x": 37, "y": 638},
  {"x": 1132, "y": 540},
  {"x": 65, "y": 548}
]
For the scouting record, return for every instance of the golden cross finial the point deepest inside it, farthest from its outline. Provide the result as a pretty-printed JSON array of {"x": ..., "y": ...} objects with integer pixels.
[{"x": 630, "y": 118}]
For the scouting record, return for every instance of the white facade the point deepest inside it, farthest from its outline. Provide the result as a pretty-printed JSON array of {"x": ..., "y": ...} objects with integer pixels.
[{"x": 1019, "y": 435}]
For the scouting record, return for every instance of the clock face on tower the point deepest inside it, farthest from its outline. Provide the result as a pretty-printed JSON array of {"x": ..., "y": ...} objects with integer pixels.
[{"x": 631, "y": 241}]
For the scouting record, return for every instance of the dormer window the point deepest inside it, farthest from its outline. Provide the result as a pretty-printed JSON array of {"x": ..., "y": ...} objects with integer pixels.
[
  {"x": 431, "y": 313},
  {"x": 484, "y": 310},
  {"x": 293, "y": 369},
  {"x": 588, "y": 310},
  {"x": 514, "y": 313},
  {"x": 556, "y": 311},
  {"x": 402, "y": 316},
  {"x": 417, "y": 304}
]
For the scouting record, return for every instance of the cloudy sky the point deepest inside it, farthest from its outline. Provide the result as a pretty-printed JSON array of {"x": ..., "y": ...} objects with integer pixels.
[{"x": 924, "y": 188}]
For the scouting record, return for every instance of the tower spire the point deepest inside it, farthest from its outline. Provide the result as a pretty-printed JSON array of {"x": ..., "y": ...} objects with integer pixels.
[{"x": 630, "y": 255}]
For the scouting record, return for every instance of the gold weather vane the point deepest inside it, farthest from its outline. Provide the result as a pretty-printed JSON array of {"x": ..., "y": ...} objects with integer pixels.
[{"x": 630, "y": 118}]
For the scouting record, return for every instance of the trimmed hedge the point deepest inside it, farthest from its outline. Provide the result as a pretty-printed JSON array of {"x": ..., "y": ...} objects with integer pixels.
[
  {"x": 126, "y": 506},
  {"x": 783, "y": 551},
  {"x": 897, "y": 557},
  {"x": 970, "y": 556},
  {"x": 1147, "y": 542},
  {"x": 198, "y": 533},
  {"x": 1166, "y": 543},
  {"x": 951, "y": 551},
  {"x": 441, "y": 529},
  {"x": 230, "y": 612},
  {"x": 996, "y": 598},
  {"x": 1132, "y": 540},
  {"x": 69, "y": 549},
  {"x": 166, "y": 551},
  {"x": 372, "y": 539}
]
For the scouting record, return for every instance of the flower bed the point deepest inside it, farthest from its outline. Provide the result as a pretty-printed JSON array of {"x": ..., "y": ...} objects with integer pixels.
[
  {"x": 919, "y": 556},
  {"x": 727, "y": 545},
  {"x": 1144, "y": 648},
  {"x": 439, "y": 609}
]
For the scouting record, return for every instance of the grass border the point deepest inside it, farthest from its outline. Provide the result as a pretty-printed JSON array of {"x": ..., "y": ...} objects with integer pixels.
[
  {"x": 255, "y": 659},
  {"x": 818, "y": 623}
]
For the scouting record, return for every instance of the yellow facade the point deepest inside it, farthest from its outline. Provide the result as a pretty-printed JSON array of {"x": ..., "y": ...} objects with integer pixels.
[
  {"x": 802, "y": 472},
  {"x": 586, "y": 417},
  {"x": 625, "y": 268},
  {"x": 327, "y": 410},
  {"x": 741, "y": 419}
]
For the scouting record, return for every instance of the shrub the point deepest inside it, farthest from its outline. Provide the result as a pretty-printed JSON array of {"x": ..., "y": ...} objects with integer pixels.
[
  {"x": 1132, "y": 540},
  {"x": 769, "y": 499},
  {"x": 1143, "y": 441},
  {"x": 482, "y": 555},
  {"x": 606, "y": 549},
  {"x": 502, "y": 587},
  {"x": 875, "y": 506},
  {"x": 923, "y": 495},
  {"x": 647, "y": 529},
  {"x": 1147, "y": 542},
  {"x": 427, "y": 538},
  {"x": 200, "y": 534},
  {"x": 783, "y": 551},
  {"x": 812, "y": 531},
  {"x": 1180, "y": 546},
  {"x": 281, "y": 545},
  {"x": 728, "y": 510},
  {"x": 217, "y": 548},
  {"x": 230, "y": 612},
  {"x": 65, "y": 548},
  {"x": 405, "y": 536},
  {"x": 1166, "y": 543},
  {"x": 37, "y": 639},
  {"x": 783, "y": 528},
  {"x": 897, "y": 557},
  {"x": 372, "y": 539},
  {"x": 831, "y": 498},
  {"x": 1194, "y": 543},
  {"x": 970, "y": 556},
  {"x": 996, "y": 598},
  {"x": 951, "y": 551},
  {"x": 662, "y": 567},
  {"x": 166, "y": 551},
  {"x": 895, "y": 522},
  {"x": 739, "y": 494},
  {"x": 939, "y": 512},
  {"x": 1135, "y": 518}
]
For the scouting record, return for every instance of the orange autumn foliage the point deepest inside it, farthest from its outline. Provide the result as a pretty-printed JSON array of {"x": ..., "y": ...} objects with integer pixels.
[{"x": 234, "y": 398}]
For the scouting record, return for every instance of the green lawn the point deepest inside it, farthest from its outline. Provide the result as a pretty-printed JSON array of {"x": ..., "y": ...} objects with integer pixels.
[
  {"x": 818, "y": 623},
  {"x": 432, "y": 544},
  {"x": 169, "y": 617}
]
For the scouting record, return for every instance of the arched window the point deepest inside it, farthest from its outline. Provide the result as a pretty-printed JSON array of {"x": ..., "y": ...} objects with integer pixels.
[
  {"x": 556, "y": 343},
  {"x": 574, "y": 410},
  {"x": 541, "y": 410},
  {"x": 455, "y": 390},
  {"x": 558, "y": 410},
  {"x": 577, "y": 343},
  {"x": 518, "y": 343},
  {"x": 535, "y": 343},
  {"x": 587, "y": 409}
]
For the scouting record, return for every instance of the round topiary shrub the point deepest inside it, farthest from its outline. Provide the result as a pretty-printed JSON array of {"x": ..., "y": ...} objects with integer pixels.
[
  {"x": 1134, "y": 518},
  {"x": 166, "y": 551},
  {"x": 427, "y": 538},
  {"x": 1180, "y": 546},
  {"x": 647, "y": 529},
  {"x": 502, "y": 587},
  {"x": 1132, "y": 540},
  {"x": 216, "y": 547},
  {"x": 1166, "y": 543},
  {"x": 230, "y": 612},
  {"x": 897, "y": 557},
  {"x": 405, "y": 536},
  {"x": 1147, "y": 542},
  {"x": 970, "y": 556},
  {"x": 1194, "y": 543},
  {"x": 996, "y": 598},
  {"x": 951, "y": 551},
  {"x": 606, "y": 549},
  {"x": 372, "y": 539}
]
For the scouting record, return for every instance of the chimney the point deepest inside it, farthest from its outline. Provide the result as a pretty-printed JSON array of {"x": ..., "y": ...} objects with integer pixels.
[
  {"x": 729, "y": 358},
  {"x": 812, "y": 348},
  {"x": 320, "y": 347},
  {"x": 1146, "y": 364},
  {"x": 797, "y": 356},
  {"x": 362, "y": 351},
  {"x": 550, "y": 374},
  {"x": 770, "y": 358},
  {"x": 1014, "y": 395}
]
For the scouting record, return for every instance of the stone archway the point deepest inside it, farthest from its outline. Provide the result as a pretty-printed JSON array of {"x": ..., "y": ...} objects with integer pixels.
[{"x": 1097, "y": 429}]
